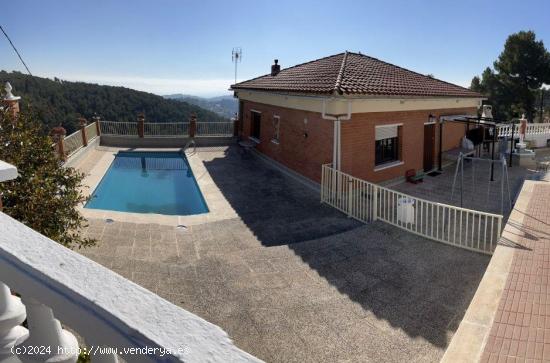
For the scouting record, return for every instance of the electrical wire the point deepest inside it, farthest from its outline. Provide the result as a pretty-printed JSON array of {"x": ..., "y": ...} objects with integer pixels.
[{"x": 15, "y": 49}]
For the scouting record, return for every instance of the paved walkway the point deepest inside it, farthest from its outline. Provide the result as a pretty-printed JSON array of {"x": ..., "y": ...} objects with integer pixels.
[
  {"x": 292, "y": 280},
  {"x": 521, "y": 329}
]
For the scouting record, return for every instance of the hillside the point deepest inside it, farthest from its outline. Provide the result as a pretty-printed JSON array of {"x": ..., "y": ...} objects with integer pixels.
[
  {"x": 61, "y": 102},
  {"x": 225, "y": 106}
]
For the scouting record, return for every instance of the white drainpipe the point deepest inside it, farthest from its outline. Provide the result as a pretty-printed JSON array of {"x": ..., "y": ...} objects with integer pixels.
[{"x": 337, "y": 142}]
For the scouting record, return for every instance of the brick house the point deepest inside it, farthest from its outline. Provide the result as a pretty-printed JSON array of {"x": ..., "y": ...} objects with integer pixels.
[{"x": 371, "y": 119}]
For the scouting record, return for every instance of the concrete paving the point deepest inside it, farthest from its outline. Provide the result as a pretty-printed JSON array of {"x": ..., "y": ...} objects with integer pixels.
[
  {"x": 479, "y": 193},
  {"x": 292, "y": 280}
]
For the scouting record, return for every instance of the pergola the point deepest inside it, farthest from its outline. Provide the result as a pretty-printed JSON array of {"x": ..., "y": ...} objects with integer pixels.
[{"x": 476, "y": 121}]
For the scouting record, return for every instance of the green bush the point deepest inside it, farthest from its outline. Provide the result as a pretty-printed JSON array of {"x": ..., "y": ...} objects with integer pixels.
[{"x": 45, "y": 194}]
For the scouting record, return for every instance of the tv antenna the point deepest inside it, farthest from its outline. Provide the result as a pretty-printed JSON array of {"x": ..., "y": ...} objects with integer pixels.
[{"x": 236, "y": 56}]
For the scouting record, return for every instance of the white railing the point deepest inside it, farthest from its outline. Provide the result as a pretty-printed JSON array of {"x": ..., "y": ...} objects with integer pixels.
[
  {"x": 166, "y": 129},
  {"x": 505, "y": 130},
  {"x": 114, "y": 128},
  {"x": 538, "y": 129},
  {"x": 220, "y": 129},
  {"x": 73, "y": 142},
  {"x": 91, "y": 131},
  {"x": 365, "y": 201}
]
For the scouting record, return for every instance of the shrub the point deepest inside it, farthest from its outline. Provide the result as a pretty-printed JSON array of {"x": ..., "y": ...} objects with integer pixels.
[{"x": 45, "y": 195}]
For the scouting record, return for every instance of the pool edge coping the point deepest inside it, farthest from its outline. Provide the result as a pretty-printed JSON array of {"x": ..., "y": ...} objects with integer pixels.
[{"x": 219, "y": 208}]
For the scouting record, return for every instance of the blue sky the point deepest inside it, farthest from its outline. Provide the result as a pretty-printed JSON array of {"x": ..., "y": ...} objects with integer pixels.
[{"x": 185, "y": 46}]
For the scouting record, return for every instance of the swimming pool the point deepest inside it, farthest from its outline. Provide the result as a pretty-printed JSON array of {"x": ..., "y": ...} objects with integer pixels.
[{"x": 149, "y": 182}]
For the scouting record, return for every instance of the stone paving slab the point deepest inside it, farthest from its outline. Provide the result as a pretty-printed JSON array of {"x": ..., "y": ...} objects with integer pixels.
[
  {"x": 386, "y": 297},
  {"x": 292, "y": 280}
]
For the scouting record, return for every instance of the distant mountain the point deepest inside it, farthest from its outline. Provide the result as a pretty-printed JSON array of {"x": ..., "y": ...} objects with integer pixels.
[
  {"x": 225, "y": 106},
  {"x": 61, "y": 102}
]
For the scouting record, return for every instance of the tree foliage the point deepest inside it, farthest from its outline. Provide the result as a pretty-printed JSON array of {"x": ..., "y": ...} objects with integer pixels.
[
  {"x": 519, "y": 72},
  {"x": 56, "y": 102},
  {"x": 45, "y": 194}
]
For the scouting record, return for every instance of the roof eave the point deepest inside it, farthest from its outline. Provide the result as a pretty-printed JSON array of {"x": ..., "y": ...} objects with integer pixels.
[{"x": 357, "y": 94}]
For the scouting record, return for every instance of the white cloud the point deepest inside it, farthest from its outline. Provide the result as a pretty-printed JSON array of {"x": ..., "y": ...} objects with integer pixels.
[{"x": 160, "y": 86}]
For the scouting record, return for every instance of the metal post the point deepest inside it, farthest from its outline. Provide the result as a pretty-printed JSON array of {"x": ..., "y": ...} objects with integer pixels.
[
  {"x": 456, "y": 174},
  {"x": 502, "y": 190},
  {"x": 461, "y": 180},
  {"x": 375, "y": 203},
  {"x": 512, "y": 145},
  {"x": 541, "y": 109},
  {"x": 350, "y": 198},
  {"x": 505, "y": 170},
  {"x": 493, "y": 153}
]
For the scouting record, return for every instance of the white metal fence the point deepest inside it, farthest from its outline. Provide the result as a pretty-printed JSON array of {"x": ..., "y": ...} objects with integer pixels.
[
  {"x": 505, "y": 130},
  {"x": 365, "y": 201},
  {"x": 91, "y": 131},
  {"x": 73, "y": 142},
  {"x": 115, "y": 128},
  {"x": 165, "y": 129},
  {"x": 221, "y": 129}
]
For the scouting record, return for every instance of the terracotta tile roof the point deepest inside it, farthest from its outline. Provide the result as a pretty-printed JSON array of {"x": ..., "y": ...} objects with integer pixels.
[{"x": 354, "y": 74}]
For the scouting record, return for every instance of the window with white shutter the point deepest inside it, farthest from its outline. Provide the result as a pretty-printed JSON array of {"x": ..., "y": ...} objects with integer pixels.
[{"x": 386, "y": 144}]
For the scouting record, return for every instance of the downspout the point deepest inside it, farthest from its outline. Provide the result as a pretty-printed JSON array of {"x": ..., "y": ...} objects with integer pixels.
[
  {"x": 337, "y": 139},
  {"x": 335, "y": 146}
]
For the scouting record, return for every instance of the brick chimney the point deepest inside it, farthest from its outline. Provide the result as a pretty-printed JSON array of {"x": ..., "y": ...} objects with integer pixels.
[
  {"x": 275, "y": 68},
  {"x": 11, "y": 101}
]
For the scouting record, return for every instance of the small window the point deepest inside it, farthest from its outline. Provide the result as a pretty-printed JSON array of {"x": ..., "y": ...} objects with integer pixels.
[
  {"x": 276, "y": 129},
  {"x": 386, "y": 144},
  {"x": 255, "y": 125}
]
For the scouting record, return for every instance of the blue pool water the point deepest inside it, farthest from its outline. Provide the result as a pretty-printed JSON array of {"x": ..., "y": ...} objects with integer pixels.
[{"x": 149, "y": 182}]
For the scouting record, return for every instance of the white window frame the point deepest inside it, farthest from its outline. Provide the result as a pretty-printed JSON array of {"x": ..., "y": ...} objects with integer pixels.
[{"x": 392, "y": 163}]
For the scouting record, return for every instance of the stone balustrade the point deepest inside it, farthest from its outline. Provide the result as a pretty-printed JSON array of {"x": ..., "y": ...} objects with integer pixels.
[{"x": 112, "y": 316}]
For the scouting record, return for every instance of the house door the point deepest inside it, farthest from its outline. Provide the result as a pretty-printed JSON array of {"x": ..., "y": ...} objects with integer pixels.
[
  {"x": 255, "y": 125},
  {"x": 429, "y": 143}
]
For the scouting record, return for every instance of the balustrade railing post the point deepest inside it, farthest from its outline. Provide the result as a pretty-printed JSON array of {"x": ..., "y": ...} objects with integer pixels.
[
  {"x": 12, "y": 314},
  {"x": 97, "y": 126},
  {"x": 82, "y": 122},
  {"x": 60, "y": 345},
  {"x": 58, "y": 135},
  {"x": 141, "y": 124},
  {"x": 193, "y": 125}
]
